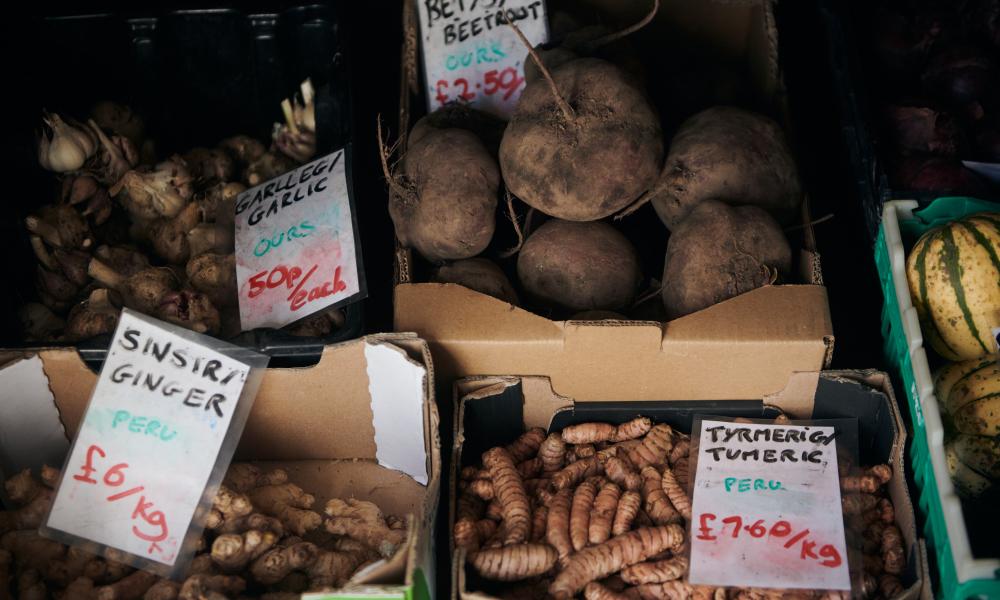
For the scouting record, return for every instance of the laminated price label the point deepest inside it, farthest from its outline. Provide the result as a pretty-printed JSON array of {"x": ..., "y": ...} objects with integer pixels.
[
  {"x": 766, "y": 508},
  {"x": 158, "y": 433},
  {"x": 297, "y": 249},
  {"x": 472, "y": 56}
]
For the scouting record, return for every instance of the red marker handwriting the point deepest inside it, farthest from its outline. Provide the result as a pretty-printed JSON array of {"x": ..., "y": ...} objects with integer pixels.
[
  {"x": 152, "y": 526},
  {"x": 507, "y": 81},
  {"x": 827, "y": 555},
  {"x": 292, "y": 278}
]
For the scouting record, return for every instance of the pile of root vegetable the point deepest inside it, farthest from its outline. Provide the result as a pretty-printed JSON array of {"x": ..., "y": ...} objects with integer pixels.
[
  {"x": 262, "y": 540},
  {"x": 583, "y": 149},
  {"x": 154, "y": 235},
  {"x": 936, "y": 84},
  {"x": 603, "y": 510}
]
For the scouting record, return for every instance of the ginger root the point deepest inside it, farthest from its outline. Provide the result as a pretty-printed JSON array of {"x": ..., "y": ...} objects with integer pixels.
[
  {"x": 211, "y": 587},
  {"x": 274, "y": 565},
  {"x": 290, "y": 504},
  {"x": 243, "y": 477},
  {"x": 130, "y": 587},
  {"x": 364, "y": 522},
  {"x": 515, "y": 562},
  {"x": 233, "y": 552}
]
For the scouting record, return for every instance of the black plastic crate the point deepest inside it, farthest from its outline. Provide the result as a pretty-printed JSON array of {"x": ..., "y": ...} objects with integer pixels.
[{"x": 197, "y": 76}]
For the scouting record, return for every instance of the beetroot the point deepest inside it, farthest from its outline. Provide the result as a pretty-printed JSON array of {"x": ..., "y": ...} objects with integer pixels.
[
  {"x": 937, "y": 175},
  {"x": 919, "y": 129},
  {"x": 962, "y": 75}
]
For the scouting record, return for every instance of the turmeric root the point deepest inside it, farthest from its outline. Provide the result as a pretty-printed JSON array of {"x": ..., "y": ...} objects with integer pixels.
[
  {"x": 584, "y": 450},
  {"x": 557, "y": 525},
  {"x": 538, "y": 522},
  {"x": 515, "y": 562},
  {"x": 579, "y": 516},
  {"x": 596, "y": 591},
  {"x": 290, "y": 504},
  {"x": 680, "y": 469},
  {"x": 868, "y": 483},
  {"x": 628, "y": 508},
  {"x": 656, "y": 572},
  {"x": 527, "y": 445},
  {"x": 654, "y": 447},
  {"x": 510, "y": 492},
  {"x": 677, "y": 495},
  {"x": 893, "y": 558},
  {"x": 681, "y": 449},
  {"x": 592, "y": 433},
  {"x": 364, "y": 522},
  {"x": 605, "y": 507},
  {"x": 468, "y": 511},
  {"x": 622, "y": 473},
  {"x": 275, "y": 564},
  {"x": 130, "y": 587},
  {"x": 658, "y": 506},
  {"x": 482, "y": 488},
  {"x": 233, "y": 552},
  {"x": 530, "y": 469},
  {"x": 553, "y": 453},
  {"x": 576, "y": 472},
  {"x": 597, "y": 562},
  {"x": 890, "y": 586},
  {"x": 211, "y": 587}
]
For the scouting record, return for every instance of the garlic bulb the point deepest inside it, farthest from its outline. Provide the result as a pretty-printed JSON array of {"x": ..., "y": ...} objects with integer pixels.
[
  {"x": 215, "y": 276},
  {"x": 161, "y": 192},
  {"x": 243, "y": 148},
  {"x": 66, "y": 146}
]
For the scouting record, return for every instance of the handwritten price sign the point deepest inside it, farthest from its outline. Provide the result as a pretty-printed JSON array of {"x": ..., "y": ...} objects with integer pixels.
[
  {"x": 766, "y": 508},
  {"x": 296, "y": 247},
  {"x": 472, "y": 56},
  {"x": 167, "y": 409}
]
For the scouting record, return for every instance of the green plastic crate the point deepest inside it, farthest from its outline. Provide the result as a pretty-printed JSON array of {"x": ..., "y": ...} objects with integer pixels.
[{"x": 960, "y": 574}]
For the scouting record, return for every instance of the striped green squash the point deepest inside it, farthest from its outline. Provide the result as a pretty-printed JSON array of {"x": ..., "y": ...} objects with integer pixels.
[
  {"x": 954, "y": 277},
  {"x": 969, "y": 395}
]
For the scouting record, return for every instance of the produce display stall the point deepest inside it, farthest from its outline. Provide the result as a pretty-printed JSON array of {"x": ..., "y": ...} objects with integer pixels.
[{"x": 501, "y": 299}]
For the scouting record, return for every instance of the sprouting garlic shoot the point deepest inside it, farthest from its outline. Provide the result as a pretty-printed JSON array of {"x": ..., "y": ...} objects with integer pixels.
[
  {"x": 64, "y": 146},
  {"x": 296, "y": 137}
]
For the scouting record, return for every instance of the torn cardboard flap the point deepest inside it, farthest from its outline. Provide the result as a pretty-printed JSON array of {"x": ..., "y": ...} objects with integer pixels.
[
  {"x": 796, "y": 399},
  {"x": 396, "y": 387},
  {"x": 31, "y": 433}
]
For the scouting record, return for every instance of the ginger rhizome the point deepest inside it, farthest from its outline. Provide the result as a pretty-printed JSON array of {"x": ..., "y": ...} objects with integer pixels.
[{"x": 250, "y": 547}]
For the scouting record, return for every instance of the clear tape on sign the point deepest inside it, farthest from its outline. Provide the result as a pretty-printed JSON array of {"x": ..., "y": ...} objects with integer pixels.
[{"x": 154, "y": 444}]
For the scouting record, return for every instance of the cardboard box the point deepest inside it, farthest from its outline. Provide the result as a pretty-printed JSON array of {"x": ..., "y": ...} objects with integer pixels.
[
  {"x": 361, "y": 423},
  {"x": 763, "y": 336},
  {"x": 492, "y": 411}
]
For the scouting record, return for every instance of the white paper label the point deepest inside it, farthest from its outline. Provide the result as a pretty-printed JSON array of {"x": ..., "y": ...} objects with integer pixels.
[
  {"x": 148, "y": 441},
  {"x": 766, "y": 509},
  {"x": 990, "y": 171},
  {"x": 295, "y": 247},
  {"x": 472, "y": 56}
]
